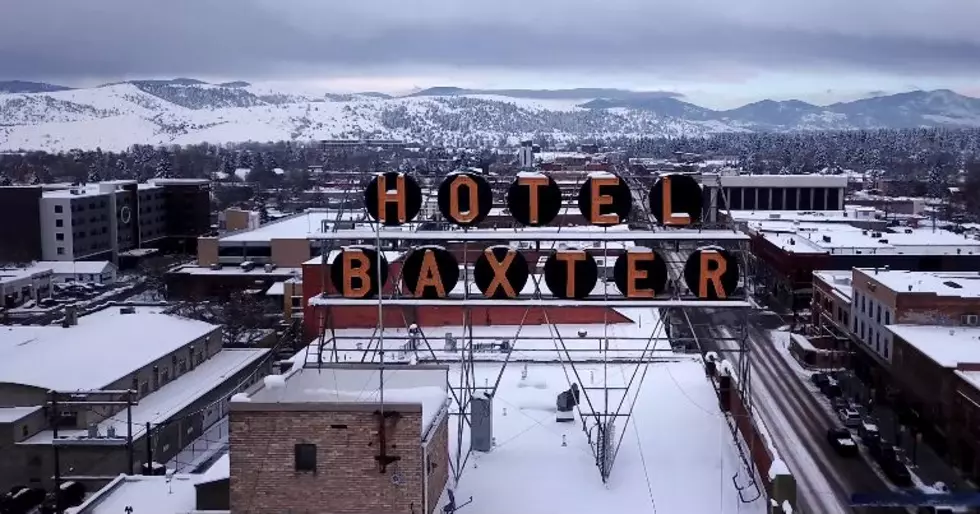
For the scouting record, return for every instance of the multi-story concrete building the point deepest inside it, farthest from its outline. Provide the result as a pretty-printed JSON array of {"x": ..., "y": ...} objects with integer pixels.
[
  {"x": 723, "y": 192},
  {"x": 306, "y": 441},
  {"x": 180, "y": 375},
  {"x": 101, "y": 221}
]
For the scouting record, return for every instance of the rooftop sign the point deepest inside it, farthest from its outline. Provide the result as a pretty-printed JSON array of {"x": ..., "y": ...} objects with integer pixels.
[{"x": 534, "y": 200}]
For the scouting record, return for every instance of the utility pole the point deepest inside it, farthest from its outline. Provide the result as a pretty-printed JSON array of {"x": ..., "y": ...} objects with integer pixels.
[
  {"x": 148, "y": 467},
  {"x": 59, "y": 400}
]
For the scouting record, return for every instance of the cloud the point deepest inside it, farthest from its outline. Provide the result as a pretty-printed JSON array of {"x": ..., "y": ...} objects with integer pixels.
[{"x": 674, "y": 39}]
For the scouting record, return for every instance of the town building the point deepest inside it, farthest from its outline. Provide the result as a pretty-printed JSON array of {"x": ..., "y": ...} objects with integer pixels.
[
  {"x": 746, "y": 192},
  {"x": 787, "y": 254},
  {"x": 937, "y": 371},
  {"x": 102, "y": 221},
  {"x": 303, "y": 438},
  {"x": 20, "y": 285},
  {"x": 179, "y": 375},
  {"x": 916, "y": 341}
]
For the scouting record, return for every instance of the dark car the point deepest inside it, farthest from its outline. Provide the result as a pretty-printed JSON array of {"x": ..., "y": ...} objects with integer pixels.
[
  {"x": 841, "y": 441},
  {"x": 819, "y": 380}
]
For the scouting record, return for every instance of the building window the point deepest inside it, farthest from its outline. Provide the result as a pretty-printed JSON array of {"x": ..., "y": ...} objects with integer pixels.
[
  {"x": 59, "y": 236},
  {"x": 144, "y": 388},
  {"x": 305, "y": 457},
  {"x": 59, "y": 222},
  {"x": 886, "y": 348},
  {"x": 878, "y": 315},
  {"x": 61, "y": 250},
  {"x": 24, "y": 431},
  {"x": 58, "y": 209},
  {"x": 888, "y": 318}
]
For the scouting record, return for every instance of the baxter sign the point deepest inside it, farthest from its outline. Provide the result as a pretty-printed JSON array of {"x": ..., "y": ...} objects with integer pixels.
[{"x": 534, "y": 199}]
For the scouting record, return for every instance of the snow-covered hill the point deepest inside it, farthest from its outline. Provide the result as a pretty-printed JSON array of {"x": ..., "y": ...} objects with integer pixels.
[{"x": 186, "y": 111}]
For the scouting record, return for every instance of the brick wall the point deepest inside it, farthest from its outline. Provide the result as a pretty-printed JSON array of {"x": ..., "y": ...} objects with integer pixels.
[
  {"x": 348, "y": 480},
  {"x": 437, "y": 450}
]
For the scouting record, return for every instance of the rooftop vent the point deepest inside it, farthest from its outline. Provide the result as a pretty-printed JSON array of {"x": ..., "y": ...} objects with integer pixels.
[
  {"x": 908, "y": 231},
  {"x": 129, "y": 309},
  {"x": 883, "y": 241},
  {"x": 826, "y": 239},
  {"x": 954, "y": 285},
  {"x": 876, "y": 234}
]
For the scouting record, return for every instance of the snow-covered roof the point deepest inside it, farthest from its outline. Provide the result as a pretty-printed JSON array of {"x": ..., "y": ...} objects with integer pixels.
[
  {"x": 390, "y": 256},
  {"x": 169, "y": 399},
  {"x": 220, "y": 470},
  {"x": 962, "y": 284},
  {"x": 426, "y": 386},
  {"x": 946, "y": 346},
  {"x": 674, "y": 438},
  {"x": 277, "y": 289},
  {"x": 908, "y": 241},
  {"x": 839, "y": 281},
  {"x": 294, "y": 227},
  {"x": 11, "y": 414},
  {"x": 74, "y": 267},
  {"x": 237, "y": 270},
  {"x": 145, "y": 494},
  {"x": 847, "y": 215},
  {"x": 104, "y": 347}
]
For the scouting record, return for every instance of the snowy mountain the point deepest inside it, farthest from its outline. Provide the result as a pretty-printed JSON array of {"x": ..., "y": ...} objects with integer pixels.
[{"x": 189, "y": 111}]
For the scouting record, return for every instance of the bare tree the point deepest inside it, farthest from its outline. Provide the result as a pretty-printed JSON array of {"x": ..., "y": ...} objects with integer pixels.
[
  {"x": 154, "y": 272},
  {"x": 242, "y": 317}
]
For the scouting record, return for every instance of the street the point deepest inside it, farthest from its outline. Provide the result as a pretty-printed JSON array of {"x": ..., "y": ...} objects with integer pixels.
[{"x": 796, "y": 420}]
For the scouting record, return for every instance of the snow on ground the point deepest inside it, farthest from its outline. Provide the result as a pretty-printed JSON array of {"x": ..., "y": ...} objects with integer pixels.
[{"x": 676, "y": 454}]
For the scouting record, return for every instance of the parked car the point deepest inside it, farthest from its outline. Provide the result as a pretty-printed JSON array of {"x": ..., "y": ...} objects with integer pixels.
[
  {"x": 841, "y": 441},
  {"x": 819, "y": 380},
  {"x": 831, "y": 389},
  {"x": 868, "y": 428},
  {"x": 850, "y": 417}
]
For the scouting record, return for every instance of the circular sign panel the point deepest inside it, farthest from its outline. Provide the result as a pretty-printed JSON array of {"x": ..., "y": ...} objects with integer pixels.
[
  {"x": 571, "y": 274},
  {"x": 430, "y": 272},
  {"x": 640, "y": 273},
  {"x": 500, "y": 272},
  {"x": 534, "y": 199},
  {"x": 465, "y": 199},
  {"x": 711, "y": 273},
  {"x": 605, "y": 199},
  {"x": 354, "y": 272},
  {"x": 393, "y": 198},
  {"x": 125, "y": 214},
  {"x": 676, "y": 200}
]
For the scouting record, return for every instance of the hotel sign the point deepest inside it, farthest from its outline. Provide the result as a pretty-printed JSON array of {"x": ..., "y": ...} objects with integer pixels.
[{"x": 534, "y": 200}]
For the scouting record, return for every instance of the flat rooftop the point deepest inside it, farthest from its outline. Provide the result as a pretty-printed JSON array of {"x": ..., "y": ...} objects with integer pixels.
[
  {"x": 235, "y": 270},
  {"x": 145, "y": 495},
  {"x": 840, "y": 281},
  {"x": 299, "y": 226},
  {"x": 674, "y": 439},
  {"x": 907, "y": 241},
  {"x": 167, "y": 401},
  {"x": 962, "y": 284},
  {"x": 103, "y": 348},
  {"x": 423, "y": 385},
  {"x": 947, "y": 346},
  {"x": 849, "y": 215}
]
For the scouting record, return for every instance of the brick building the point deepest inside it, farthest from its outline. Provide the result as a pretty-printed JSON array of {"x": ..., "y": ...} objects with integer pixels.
[
  {"x": 788, "y": 254},
  {"x": 314, "y": 441},
  {"x": 937, "y": 370}
]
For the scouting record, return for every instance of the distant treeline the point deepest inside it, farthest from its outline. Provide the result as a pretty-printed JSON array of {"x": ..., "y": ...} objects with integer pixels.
[{"x": 922, "y": 153}]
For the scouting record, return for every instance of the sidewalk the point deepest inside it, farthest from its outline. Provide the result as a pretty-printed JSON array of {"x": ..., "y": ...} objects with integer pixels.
[{"x": 920, "y": 458}]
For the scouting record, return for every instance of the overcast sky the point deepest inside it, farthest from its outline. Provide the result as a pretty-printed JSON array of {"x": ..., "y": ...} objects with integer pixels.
[{"x": 713, "y": 51}]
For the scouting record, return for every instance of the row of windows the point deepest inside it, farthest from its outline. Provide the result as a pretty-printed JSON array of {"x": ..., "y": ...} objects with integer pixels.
[
  {"x": 779, "y": 199},
  {"x": 876, "y": 318}
]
